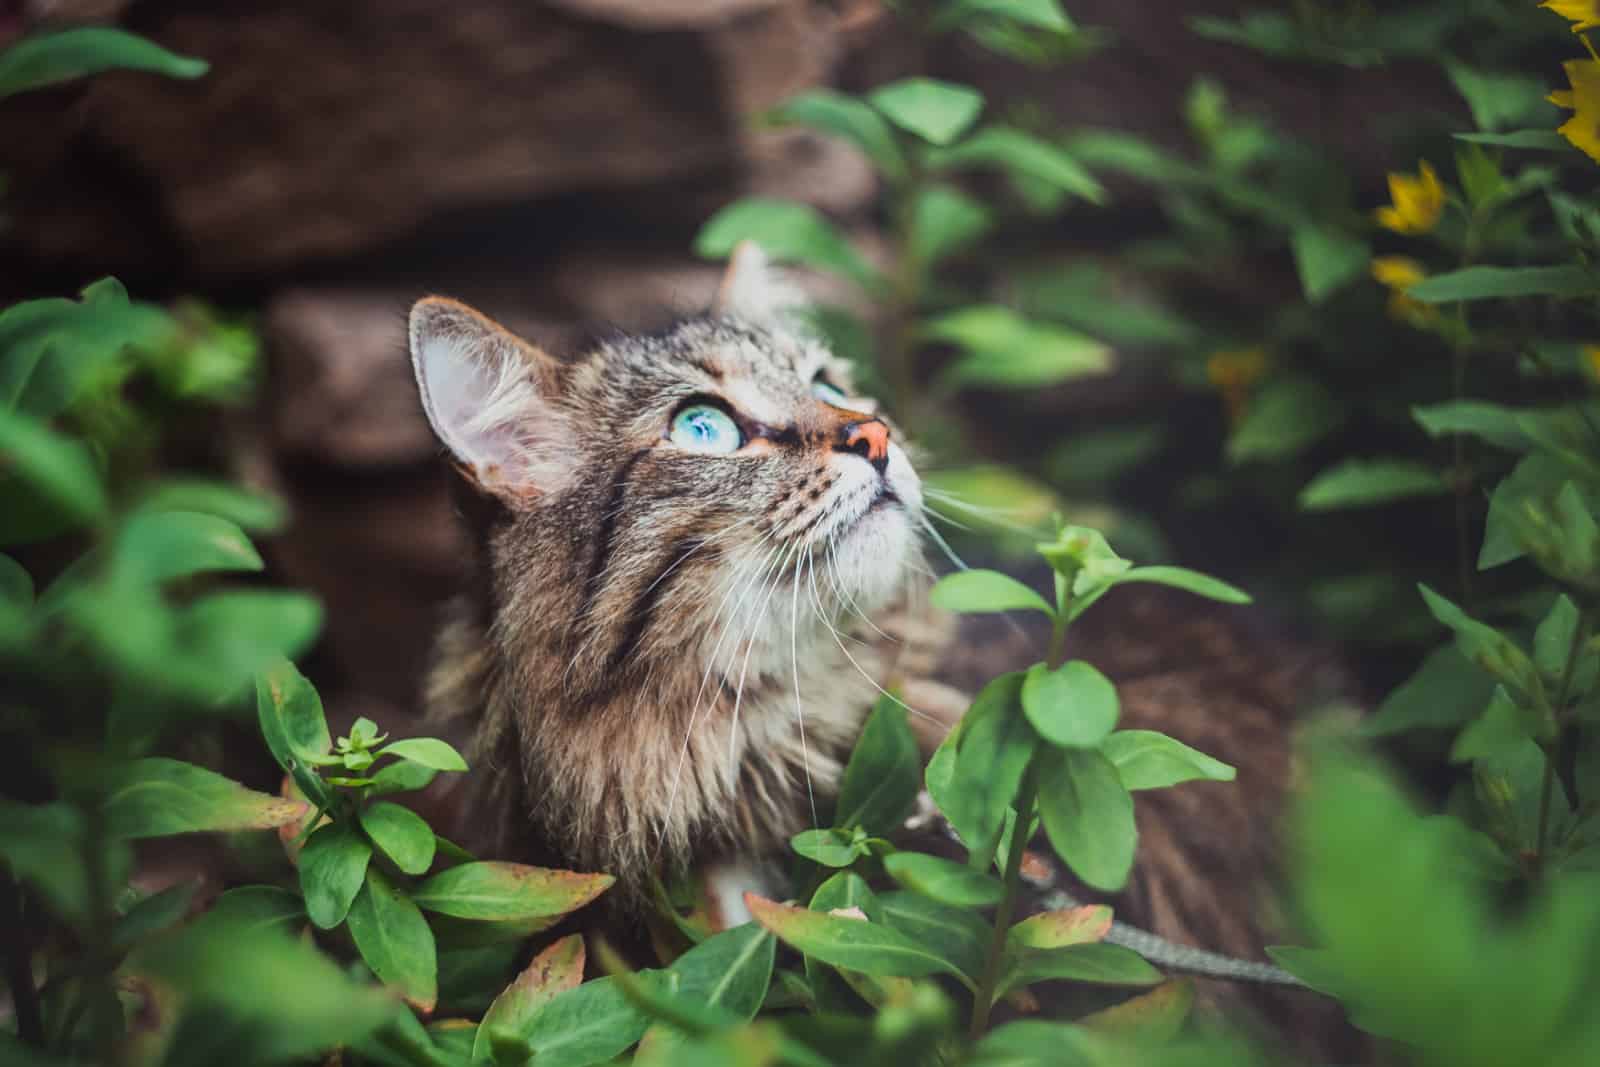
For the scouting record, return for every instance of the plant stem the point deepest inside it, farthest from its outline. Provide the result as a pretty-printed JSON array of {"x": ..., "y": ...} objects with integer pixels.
[
  {"x": 1580, "y": 635},
  {"x": 19, "y": 964},
  {"x": 984, "y": 998}
]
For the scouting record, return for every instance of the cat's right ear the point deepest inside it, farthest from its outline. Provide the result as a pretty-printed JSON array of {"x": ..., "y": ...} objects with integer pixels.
[{"x": 489, "y": 396}]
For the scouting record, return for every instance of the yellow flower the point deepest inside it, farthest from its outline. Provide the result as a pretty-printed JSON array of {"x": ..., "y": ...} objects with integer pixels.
[
  {"x": 1584, "y": 14},
  {"x": 1583, "y": 128},
  {"x": 1397, "y": 274},
  {"x": 1234, "y": 372},
  {"x": 1590, "y": 355},
  {"x": 1418, "y": 202}
]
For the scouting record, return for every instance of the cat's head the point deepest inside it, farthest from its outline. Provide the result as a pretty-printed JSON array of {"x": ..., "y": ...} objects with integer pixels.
[{"x": 723, "y": 475}]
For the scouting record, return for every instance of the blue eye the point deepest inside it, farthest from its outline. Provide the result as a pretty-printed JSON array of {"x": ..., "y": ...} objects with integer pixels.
[
  {"x": 703, "y": 428},
  {"x": 828, "y": 393}
]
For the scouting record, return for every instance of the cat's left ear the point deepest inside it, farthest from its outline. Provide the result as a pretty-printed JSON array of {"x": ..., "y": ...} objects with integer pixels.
[
  {"x": 751, "y": 289},
  {"x": 490, "y": 397}
]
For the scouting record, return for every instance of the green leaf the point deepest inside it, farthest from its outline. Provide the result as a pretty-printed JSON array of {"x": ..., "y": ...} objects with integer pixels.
[
  {"x": 1283, "y": 420},
  {"x": 984, "y": 590},
  {"x": 961, "y": 935},
  {"x": 1088, "y": 816},
  {"x": 428, "y": 751},
  {"x": 846, "y": 889},
  {"x": 289, "y": 712},
  {"x": 992, "y": 753},
  {"x": 786, "y": 231},
  {"x": 1074, "y": 706},
  {"x": 333, "y": 865},
  {"x": 1490, "y": 283},
  {"x": 394, "y": 940},
  {"x": 55, "y": 349},
  {"x": 936, "y": 111},
  {"x": 1022, "y": 154},
  {"x": 1485, "y": 646},
  {"x": 16, "y": 584},
  {"x": 158, "y": 546},
  {"x": 402, "y": 777},
  {"x": 1535, "y": 477},
  {"x": 246, "y": 508},
  {"x": 1444, "y": 692},
  {"x": 1327, "y": 259},
  {"x": 1499, "y": 99},
  {"x": 554, "y": 971},
  {"x": 943, "y": 881},
  {"x": 498, "y": 891},
  {"x": 846, "y": 117},
  {"x": 853, "y": 944},
  {"x": 1146, "y": 759},
  {"x": 943, "y": 222},
  {"x": 45, "y": 846},
  {"x": 880, "y": 782},
  {"x": 1363, "y": 483},
  {"x": 1006, "y": 350},
  {"x": 401, "y": 834},
  {"x": 726, "y": 975},
  {"x": 830, "y": 848},
  {"x": 1038, "y": 14},
  {"x": 57, "y": 468},
  {"x": 1500, "y": 728},
  {"x": 234, "y": 986},
  {"x": 588, "y": 1025},
  {"x": 156, "y": 797},
  {"x": 152, "y": 914},
  {"x": 52, "y": 58},
  {"x": 258, "y": 906},
  {"x": 1185, "y": 579},
  {"x": 1494, "y": 423},
  {"x": 1543, "y": 140},
  {"x": 236, "y": 634},
  {"x": 1061, "y": 928},
  {"x": 1099, "y": 963}
]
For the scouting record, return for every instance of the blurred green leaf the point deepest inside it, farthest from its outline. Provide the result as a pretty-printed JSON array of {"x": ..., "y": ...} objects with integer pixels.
[
  {"x": 1124, "y": 153},
  {"x": 1327, "y": 259},
  {"x": 787, "y": 231},
  {"x": 51, "y": 350},
  {"x": 854, "y": 944},
  {"x": 1365, "y": 483},
  {"x": 1073, "y": 706},
  {"x": 252, "y": 906},
  {"x": 588, "y": 1025},
  {"x": 155, "y": 797},
  {"x": 936, "y": 111},
  {"x": 1501, "y": 726},
  {"x": 1146, "y": 759},
  {"x": 1005, "y": 350},
  {"x": 237, "y": 633},
  {"x": 1490, "y": 283},
  {"x": 52, "y": 58},
  {"x": 394, "y": 940},
  {"x": 1088, "y": 816},
  {"x": 1183, "y": 578},
  {"x": 45, "y": 845},
  {"x": 944, "y": 221},
  {"x": 943, "y": 881},
  {"x": 333, "y": 865},
  {"x": 1494, "y": 423},
  {"x": 846, "y": 117},
  {"x": 1498, "y": 99},
  {"x": 1285, "y": 418},
  {"x": 1445, "y": 692},
  {"x": 1037, "y": 14},
  {"x": 249, "y": 509},
  {"x": 880, "y": 781},
  {"x": 152, "y": 914},
  {"x": 984, "y": 591},
  {"x": 493, "y": 891},
  {"x": 1486, "y": 647},
  {"x": 1022, "y": 154},
  {"x": 58, "y": 468},
  {"x": 1544, "y": 140},
  {"x": 158, "y": 546},
  {"x": 401, "y": 834},
  {"x": 428, "y": 751},
  {"x": 16, "y": 584}
]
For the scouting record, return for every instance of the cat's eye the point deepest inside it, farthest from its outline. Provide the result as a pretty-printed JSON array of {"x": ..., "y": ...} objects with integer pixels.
[
  {"x": 704, "y": 428},
  {"x": 828, "y": 393}
]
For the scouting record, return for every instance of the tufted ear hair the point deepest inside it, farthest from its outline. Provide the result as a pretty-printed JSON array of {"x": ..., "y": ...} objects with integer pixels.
[
  {"x": 751, "y": 289},
  {"x": 491, "y": 398}
]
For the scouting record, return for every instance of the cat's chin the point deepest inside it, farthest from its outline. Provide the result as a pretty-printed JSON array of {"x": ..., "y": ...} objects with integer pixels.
[{"x": 872, "y": 558}]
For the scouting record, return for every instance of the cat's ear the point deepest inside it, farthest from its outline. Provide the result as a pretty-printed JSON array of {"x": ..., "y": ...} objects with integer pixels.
[
  {"x": 751, "y": 289},
  {"x": 490, "y": 397}
]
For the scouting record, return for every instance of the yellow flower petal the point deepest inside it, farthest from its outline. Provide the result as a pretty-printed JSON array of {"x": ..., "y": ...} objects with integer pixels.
[
  {"x": 1583, "y": 128},
  {"x": 1418, "y": 202},
  {"x": 1584, "y": 14},
  {"x": 1590, "y": 355},
  {"x": 1397, "y": 272}
]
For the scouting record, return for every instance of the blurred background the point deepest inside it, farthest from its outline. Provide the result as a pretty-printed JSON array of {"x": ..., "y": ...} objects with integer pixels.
[{"x": 1186, "y": 269}]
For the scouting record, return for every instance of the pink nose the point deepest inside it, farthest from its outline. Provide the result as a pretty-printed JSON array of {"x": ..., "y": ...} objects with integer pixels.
[{"x": 867, "y": 438}]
